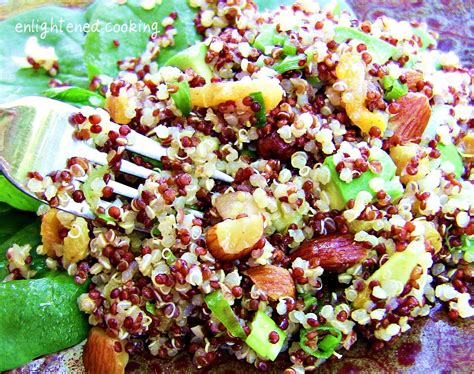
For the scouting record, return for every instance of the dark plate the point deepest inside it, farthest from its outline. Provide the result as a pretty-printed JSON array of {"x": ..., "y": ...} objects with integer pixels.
[{"x": 434, "y": 344}]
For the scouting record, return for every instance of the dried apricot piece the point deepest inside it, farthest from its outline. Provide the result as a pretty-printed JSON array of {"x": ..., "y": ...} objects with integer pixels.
[
  {"x": 351, "y": 69},
  {"x": 76, "y": 243},
  {"x": 50, "y": 228}
]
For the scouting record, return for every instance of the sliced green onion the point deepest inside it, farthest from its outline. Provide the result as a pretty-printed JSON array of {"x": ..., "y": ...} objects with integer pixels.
[
  {"x": 466, "y": 246},
  {"x": 258, "y": 340},
  {"x": 325, "y": 347},
  {"x": 182, "y": 98},
  {"x": 93, "y": 196},
  {"x": 328, "y": 343},
  {"x": 290, "y": 63},
  {"x": 105, "y": 217},
  {"x": 150, "y": 308},
  {"x": 248, "y": 152},
  {"x": 169, "y": 257},
  {"x": 222, "y": 311},
  {"x": 155, "y": 163},
  {"x": 269, "y": 37},
  {"x": 380, "y": 51},
  {"x": 314, "y": 81},
  {"x": 260, "y": 115},
  {"x": 309, "y": 301},
  {"x": 155, "y": 232},
  {"x": 265, "y": 38},
  {"x": 393, "y": 88}
]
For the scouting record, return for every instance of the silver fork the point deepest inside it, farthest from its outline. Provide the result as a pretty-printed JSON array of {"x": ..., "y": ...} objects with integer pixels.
[{"x": 35, "y": 135}]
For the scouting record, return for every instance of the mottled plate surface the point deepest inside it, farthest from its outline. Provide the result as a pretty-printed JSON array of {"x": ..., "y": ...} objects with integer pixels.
[{"x": 434, "y": 344}]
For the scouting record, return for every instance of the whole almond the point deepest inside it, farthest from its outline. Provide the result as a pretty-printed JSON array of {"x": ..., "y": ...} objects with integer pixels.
[
  {"x": 412, "y": 117},
  {"x": 273, "y": 280},
  {"x": 336, "y": 253},
  {"x": 100, "y": 355}
]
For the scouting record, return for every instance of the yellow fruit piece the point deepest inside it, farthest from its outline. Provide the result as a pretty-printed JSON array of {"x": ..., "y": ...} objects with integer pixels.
[
  {"x": 351, "y": 69},
  {"x": 116, "y": 106},
  {"x": 230, "y": 205},
  {"x": 467, "y": 146},
  {"x": 432, "y": 235},
  {"x": 76, "y": 243},
  {"x": 50, "y": 227},
  {"x": 398, "y": 268},
  {"x": 213, "y": 94},
  {"x": 403, "y": 154}
]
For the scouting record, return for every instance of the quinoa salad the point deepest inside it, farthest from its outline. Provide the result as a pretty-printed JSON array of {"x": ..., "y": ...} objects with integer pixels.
[{"x": 347, "y": 214}]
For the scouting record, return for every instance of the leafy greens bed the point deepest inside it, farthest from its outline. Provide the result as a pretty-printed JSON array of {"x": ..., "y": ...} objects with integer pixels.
[
  {"x": 83, "y": 59},
  {"x": 340, "y": 152}
]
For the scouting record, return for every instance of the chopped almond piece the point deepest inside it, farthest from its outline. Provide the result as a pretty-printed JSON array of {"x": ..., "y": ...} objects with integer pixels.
[
  {"x": 412, "y": 117},
  {"x": 234, "y": 238},
  {"x": 336, "y": 253},
  {"x": 230, "y": 205},
  {"x": 413, "y": 77},
  {"x": 104, "y": 354},
  {"x": 273, "y": 280}
]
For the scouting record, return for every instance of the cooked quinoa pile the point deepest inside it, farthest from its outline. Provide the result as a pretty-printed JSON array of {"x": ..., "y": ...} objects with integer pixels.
[{"x": 351, "y": 147}]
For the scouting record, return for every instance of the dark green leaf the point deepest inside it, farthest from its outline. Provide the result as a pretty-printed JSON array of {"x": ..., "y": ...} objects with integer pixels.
[
  {"x": 101, "y": 55},
  {"x": 16, "y": 82},
  {"x": 290, "y": 63},
  {"x": 21, "y": 229},
  {"x": 76, "y": 96},
  {"x": 13, "y": 196},
  {"x": 39, "y": 316}
]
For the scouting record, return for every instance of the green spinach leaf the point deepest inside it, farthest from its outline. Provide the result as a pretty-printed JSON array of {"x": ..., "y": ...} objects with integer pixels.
[
  {"x": 101, "y": 53},
  {"x": 76, "y": 96},
  {"x": 16, "y": 82},
  {"x": 22, "y": 230},
  {"x": 13, "y": 196}
]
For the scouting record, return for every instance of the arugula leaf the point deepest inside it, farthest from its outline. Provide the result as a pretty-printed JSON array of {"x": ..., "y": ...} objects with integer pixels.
[
  {"x": 76, "y": 96},
  {"x": 23, "y": 229},
  {"x": 100, "y": 53},
  {"x": 13, "y": 196},
  {"x": 16, "y": 82}
]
